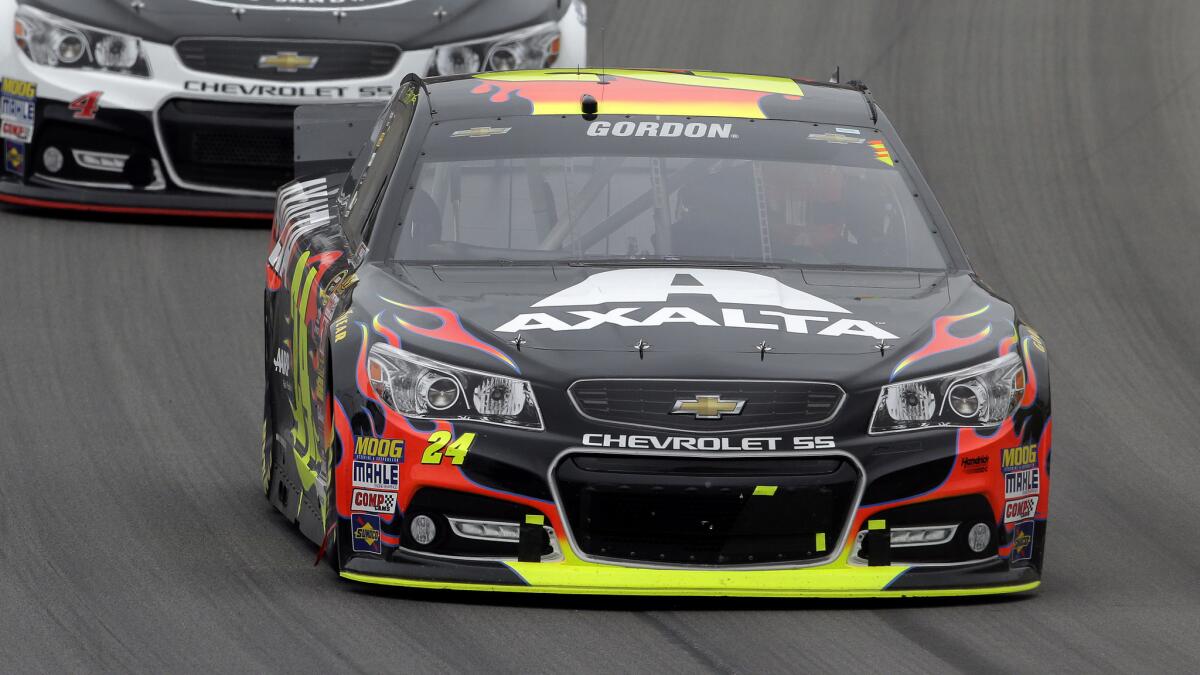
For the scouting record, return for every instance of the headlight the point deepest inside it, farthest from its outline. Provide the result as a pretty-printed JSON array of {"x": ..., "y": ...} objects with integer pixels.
[
  {"x": 52, "y": 41},
  {"x": 979, "y": 396},
  {"x": 534, "y": 47},
  {"x": 418, "y": 387}
]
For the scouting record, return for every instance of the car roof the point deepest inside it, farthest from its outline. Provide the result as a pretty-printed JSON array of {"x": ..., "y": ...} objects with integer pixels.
[{"x": 685, "y": 93}]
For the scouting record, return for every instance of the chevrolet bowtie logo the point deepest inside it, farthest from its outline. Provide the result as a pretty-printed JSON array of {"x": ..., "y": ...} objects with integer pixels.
[
  {"x": 287, "y": 62},
  {"x": 707, "y": 407}
]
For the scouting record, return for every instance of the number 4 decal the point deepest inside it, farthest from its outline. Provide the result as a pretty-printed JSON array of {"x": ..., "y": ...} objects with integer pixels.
[
  {"x": 87, "y": 106},
  {"x": 442, "y": 444}
]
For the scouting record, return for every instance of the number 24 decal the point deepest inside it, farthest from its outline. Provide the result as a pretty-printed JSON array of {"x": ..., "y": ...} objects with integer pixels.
[{"x": 442, "y": 445}]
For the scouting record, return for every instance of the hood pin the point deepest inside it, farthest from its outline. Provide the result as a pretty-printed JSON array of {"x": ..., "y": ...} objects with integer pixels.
[
  {"x": 882, "y": 347},
  {"x": 641, "y": 346},
  {"x": 763, "y": 348},
  {"x": 518, "y": 341}
]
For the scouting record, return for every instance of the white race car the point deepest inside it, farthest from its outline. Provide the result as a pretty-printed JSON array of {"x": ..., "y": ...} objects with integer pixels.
[{"x": 185, "y": 106}]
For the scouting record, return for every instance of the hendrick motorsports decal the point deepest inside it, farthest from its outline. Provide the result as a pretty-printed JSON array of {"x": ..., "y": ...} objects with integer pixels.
[{"x": 660, "y": 285}]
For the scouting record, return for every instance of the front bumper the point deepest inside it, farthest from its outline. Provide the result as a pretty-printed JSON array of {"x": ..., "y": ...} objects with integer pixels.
[
  {"x": 785, "y": 531},
  {"x": 574, "y": 576}
]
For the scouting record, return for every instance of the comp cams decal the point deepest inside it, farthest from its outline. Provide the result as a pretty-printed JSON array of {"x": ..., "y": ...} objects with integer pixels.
[
  {"x": 374, "y": 501},
  {"x": 661, "y": 285},
  {"x": 16, "y": 131},
  {"x": 1020, "y": 509}
]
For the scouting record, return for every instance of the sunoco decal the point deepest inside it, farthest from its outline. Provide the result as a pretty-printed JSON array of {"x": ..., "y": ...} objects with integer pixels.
[
  {"x": 365, "y": 529},
  {"x": 662, "y": 285}
]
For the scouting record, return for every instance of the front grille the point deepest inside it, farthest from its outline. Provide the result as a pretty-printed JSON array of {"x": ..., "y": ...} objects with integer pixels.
[
  {"x": 707, "y": 511},
  {"x": 334, "y": 60},
  {"x": 648, "y": 403},
  {"x": 228, "y": 145}
]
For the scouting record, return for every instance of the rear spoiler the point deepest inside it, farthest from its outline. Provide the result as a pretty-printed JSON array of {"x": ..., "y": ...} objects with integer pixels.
[{"x": 328, "y": 136}]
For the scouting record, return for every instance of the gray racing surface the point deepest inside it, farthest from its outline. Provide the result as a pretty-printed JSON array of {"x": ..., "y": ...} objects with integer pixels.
[{"x": 1062, "y": 140}]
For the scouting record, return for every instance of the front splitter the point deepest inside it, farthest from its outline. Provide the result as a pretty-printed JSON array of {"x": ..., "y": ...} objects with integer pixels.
[
  {"x": 164, "y": 203},
  {"x": 577, "y": 577}
]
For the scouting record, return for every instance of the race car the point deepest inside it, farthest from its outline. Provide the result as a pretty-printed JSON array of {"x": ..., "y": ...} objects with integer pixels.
[
  {"x": 650, "y": 332},
  {"x": 185, "y": 106}
]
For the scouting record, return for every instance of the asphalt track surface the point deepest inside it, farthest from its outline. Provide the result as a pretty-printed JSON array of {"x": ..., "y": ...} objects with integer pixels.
[{"x": 1061, "y": 139}]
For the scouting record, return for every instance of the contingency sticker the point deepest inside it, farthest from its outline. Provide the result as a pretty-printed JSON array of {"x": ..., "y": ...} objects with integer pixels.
[
  {"x": 374, "y": 502},
  {"x": 1021, "y": 475},
  {"x": 1022, "y": 548},
  {"x": 379, "y": 449},
  {"x": 376, "y": 475},
  {"x": 18, "y": 105},
  {"x": 365, "y": 529},
  {"x": 14, "y": 157},
  {"x": 1020, "y": 509}
]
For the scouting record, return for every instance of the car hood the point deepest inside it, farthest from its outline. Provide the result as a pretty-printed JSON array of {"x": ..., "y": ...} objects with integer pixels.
[
  {"x": 674, "y": 309},
  {"x": 410, "y": 24}
]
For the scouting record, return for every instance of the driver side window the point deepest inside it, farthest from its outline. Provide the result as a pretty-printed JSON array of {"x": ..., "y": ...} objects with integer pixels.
[{"x": 375, "y": 161}]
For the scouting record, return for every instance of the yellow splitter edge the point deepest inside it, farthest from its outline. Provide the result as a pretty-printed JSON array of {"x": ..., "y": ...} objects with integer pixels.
[{"x": 636, "y": 581}]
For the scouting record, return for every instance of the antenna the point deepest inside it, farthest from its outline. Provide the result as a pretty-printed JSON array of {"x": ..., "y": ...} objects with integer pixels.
[{"x": 602, "y": 44}]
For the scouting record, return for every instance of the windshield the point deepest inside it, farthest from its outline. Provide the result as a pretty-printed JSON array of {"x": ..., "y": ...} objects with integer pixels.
[{"x": 661, "y": 189}]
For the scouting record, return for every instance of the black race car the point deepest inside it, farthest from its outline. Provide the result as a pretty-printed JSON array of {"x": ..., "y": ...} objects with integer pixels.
[
  {"x": 644, "y": 332},
  {"x": 184, "y": 107}
]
